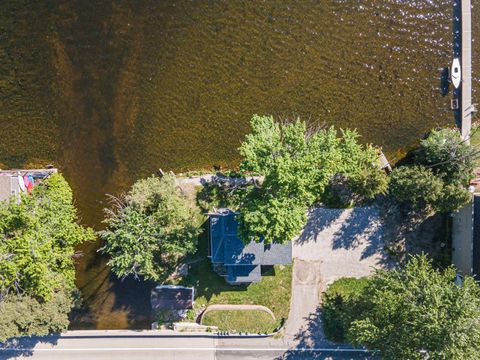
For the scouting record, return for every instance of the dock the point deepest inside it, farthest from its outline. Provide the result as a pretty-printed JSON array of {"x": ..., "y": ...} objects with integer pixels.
[{"x": 462, "y": 48}]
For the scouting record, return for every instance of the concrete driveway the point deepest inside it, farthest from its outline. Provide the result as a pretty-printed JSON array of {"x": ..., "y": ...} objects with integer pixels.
[{"x": 334, "y": 243}]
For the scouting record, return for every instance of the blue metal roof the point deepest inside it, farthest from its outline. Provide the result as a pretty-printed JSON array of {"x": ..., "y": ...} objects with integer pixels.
[
  {"x": 244, "y": 274},
  {"x": 229, "y": 249}
]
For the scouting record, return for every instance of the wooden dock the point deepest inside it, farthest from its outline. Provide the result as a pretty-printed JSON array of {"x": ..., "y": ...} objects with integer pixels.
[
  {"x": 466, "y": 61},
  {"x": 462, "y": 48}
]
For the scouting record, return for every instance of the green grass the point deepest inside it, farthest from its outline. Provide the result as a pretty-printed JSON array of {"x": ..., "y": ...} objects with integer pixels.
[
  {"x": 273, "y": 292},
  {"x": 253, "y": 321}
]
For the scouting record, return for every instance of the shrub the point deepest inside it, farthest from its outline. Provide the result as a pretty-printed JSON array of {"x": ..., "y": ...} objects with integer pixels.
[{"x": 340, "y": 307}]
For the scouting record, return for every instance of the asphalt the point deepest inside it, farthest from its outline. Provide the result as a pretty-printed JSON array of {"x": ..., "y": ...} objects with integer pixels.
[{"x": 152, "y": 345}]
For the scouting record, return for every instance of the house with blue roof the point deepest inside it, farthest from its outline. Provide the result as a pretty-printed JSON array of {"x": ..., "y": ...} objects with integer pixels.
[{"x": 237, "y": 262}]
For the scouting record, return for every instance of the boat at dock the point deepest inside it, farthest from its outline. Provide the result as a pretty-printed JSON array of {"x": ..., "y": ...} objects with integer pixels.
[{"x": 455, "y": 73}]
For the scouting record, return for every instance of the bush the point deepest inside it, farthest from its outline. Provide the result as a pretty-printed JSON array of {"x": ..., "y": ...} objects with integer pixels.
[{"x": 340, "y": 307}]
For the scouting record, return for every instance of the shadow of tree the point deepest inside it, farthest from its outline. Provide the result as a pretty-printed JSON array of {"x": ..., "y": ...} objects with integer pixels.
[
  {"x": 350, "y": 228},
  {"x": 310, "y": 339},
  {"x": 361, "y": 226},
  {"x": 22, "y": 346},
  {"x": 319, "y": 219}
]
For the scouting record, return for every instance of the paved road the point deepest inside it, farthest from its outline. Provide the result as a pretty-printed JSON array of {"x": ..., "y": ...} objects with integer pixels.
[{"x": 150, "y": 345}]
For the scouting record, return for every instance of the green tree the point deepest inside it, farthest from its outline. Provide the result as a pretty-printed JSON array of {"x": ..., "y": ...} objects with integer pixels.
[
  {"x": 421, "y": 189},
  {"x": 271, "y": 218},
  {"x": 417, "y": 308},
  {"x": 39, "y": 235},
  {"x": 24, "y": 315},
  {"x": 448, "y": 155},
  {"x": 38, "y": 238},
  {"x": 150, "y": 230},
  {"x": 416, "y": 186},
  {"x": 297, "y": 164}
]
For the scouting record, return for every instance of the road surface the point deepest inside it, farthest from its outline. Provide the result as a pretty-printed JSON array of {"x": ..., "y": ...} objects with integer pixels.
[{"x": 100, "y": 345}]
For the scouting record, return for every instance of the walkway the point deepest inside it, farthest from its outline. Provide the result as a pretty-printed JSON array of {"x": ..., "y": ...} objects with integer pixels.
[{"x": 462, "y": 48}]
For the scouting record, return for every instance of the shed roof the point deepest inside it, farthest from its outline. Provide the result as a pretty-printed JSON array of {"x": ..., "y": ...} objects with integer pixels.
[{"x": 168, "y": 297}]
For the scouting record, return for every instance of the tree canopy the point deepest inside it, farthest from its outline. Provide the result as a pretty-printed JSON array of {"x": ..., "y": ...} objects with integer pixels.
[
  {"x": 38, "y": 238},
  {"x": 297, "y": 164},
  {"x": 149, "y": 230},
  {"x": 448, "y": 155},
  {"x": 437, "y": 181},
  {"x": 402, "y": 312},
  {"x": 39, "y": 235}
]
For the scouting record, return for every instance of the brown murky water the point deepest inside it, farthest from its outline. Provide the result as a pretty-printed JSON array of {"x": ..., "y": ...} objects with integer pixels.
[{"x": 112, "y": 90}]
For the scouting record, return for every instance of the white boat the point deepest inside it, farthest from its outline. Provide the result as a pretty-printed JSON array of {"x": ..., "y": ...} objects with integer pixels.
[
  {"x": 21, "y": 183},
  {"x": 455, "y": 73}
]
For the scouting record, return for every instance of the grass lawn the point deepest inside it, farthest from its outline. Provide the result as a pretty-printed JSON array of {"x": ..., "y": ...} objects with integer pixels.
[{"x": 254, "y": 321}]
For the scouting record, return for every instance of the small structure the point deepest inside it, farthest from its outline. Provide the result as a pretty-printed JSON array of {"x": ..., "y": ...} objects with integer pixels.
[
  {"x": 13, "y": 182},
  {"x": 231, "y": 258},
  {"x": 171, "y": 297},
  {"x": 172, "y": 301}
]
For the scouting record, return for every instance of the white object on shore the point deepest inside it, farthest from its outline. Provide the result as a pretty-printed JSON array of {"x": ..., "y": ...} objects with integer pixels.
[
  {"x": 21, "y": 183},
  {"x": 455, "y": 73}
]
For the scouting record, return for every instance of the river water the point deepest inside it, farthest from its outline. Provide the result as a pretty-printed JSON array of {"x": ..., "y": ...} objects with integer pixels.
[{"x": 110, "y": 91}]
